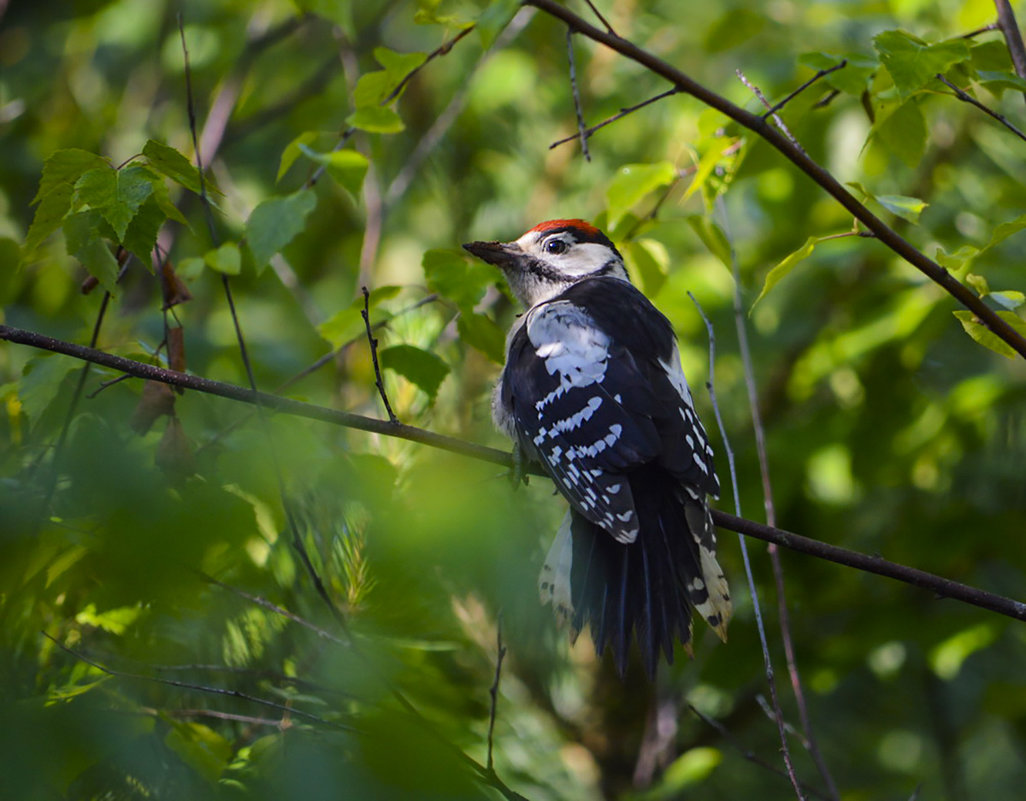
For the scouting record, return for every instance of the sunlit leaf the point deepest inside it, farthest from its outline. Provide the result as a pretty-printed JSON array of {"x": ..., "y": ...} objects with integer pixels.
[
  {"x": 712, "y": 237},
  {"x": 781, "y": 270},
  {"x": 651, "y": 263},
  {"x": 984, "y": 336}
]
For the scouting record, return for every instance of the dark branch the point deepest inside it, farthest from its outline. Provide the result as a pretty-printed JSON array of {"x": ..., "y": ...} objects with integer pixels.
[
  {"x": 444, "y": 48},
  {"x": 777, "y": 106},
  {"x": 203, "y": 688},
  {"x": 1013, "y": 36},
  {"x": 622, "y": 113},
  {"x": 965, "y": 97},
  {"x": 831, "y": 185},
  {"x": 871, "y": 564}
]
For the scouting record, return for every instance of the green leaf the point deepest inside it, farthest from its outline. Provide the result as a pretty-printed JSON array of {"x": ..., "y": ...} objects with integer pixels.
[
  {"x": 908, "y": 208},
  {"x": 903, "y": 132},
  {"x": 347, "y": 167},
  {"x": 453, "y": 275},
  {"x": 703, "y": 170},
  {"x": 784, "y": 267},
  {"x": 191, "y": 268},
  {"x": 347, "y": 324},
  {"x": 1009, "y": 298},
  {"x": 172, "y": 164},
  {"x": 1005, "y": 230},
  {"x": 997, "y": 82},
  {"x": 292, "y": 152},
  {"x": 116, "y": 620},
  {"x": 494, "y": 19},
  {"x": 374, "y": 87},
  {"x": 651, "y": 263},
  {"x": 65, "y": 167},
  {"x": 979, "y": 283},
  {"x": 984, "y": 336},
  {"x": 226, "y": 260},
  {"x": 913, "y": 63},
  {"x": 483, "y": 334},
  {"x": 420, "y": 367},
  {"x": 83, "y": 241},
  {"x": 633, "y": 182},
  {"x": 141, "y": 235},
  {"x": 49, "y": 215},
  {"x": 275, "y": 223},
  {"x": 712, "y": 237},
  {"x": 42, "y": 381},
  {"x": 376, "y": 119},
  {"x": 116, "y": 194}
]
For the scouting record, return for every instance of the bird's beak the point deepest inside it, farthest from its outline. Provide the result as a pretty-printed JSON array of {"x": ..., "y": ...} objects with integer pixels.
[{"x": 501, "y": 254}]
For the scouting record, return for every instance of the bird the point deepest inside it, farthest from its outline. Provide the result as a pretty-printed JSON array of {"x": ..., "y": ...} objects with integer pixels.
[{"x": 593, "y": 391}]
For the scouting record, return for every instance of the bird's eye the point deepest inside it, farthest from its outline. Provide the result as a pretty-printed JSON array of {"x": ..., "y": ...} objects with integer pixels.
[{"x": 555, "y": 246}]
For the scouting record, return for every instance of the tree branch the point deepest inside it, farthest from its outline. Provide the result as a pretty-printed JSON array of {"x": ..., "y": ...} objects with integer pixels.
[
  {"x": 831, "y": 185},
  {"x": 1013, "y": 37},
  {"x": 833, "y": 553}
]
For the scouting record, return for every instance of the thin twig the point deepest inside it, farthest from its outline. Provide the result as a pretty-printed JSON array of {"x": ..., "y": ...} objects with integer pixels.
[
  {"x": 602, "y": 19},
  {"x": 494, "y": 691},
  {"x": 750, "y": 755},
  {"x": 965, "y": 97},
  {"x": 872, "y": 564},
  {"x": 755, "y": 90},
  {"x": 985, "y": 29},
  {"x": 777, "y": 106},
  {"x": 827, "y": 100},
  {"x": 441, "y": 50},
  {"x": 581, "y": 127},
  {"x": 771, "y": 517},
  {"x": 777, "y": 712},
  {"x": 203, "y": 688},
  {"x": 622, "y": 113},
  {"x": 365, "y": 313},
  {"x": 753, "y": 122}
]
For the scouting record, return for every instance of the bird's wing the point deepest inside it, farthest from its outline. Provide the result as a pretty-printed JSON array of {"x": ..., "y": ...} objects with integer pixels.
[{"x": 594, "y": 386}]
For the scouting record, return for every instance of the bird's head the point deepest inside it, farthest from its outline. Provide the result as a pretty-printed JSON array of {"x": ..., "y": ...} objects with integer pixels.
[{"x": 551, "y": 257}]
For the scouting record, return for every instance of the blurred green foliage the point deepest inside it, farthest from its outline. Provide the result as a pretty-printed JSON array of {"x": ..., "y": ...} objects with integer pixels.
[{"x": 146, "y": 531}]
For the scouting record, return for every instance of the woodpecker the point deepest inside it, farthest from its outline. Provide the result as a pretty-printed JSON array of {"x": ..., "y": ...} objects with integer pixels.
[{"x": 593, "y": 391}]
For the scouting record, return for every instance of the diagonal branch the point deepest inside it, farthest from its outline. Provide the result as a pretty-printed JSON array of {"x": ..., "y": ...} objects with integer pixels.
[
  {"x": 833, "y": 553},
  {"x": 965, "y": 97},
  {"x": 831, "y": 185}
]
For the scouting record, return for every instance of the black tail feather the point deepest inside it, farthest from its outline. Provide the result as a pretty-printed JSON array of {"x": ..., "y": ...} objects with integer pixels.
[{"x": 642, "y": 590}]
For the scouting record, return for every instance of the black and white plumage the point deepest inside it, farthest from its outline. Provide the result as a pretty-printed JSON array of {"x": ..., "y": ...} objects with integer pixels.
[{"x": 594, "y": 392}]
